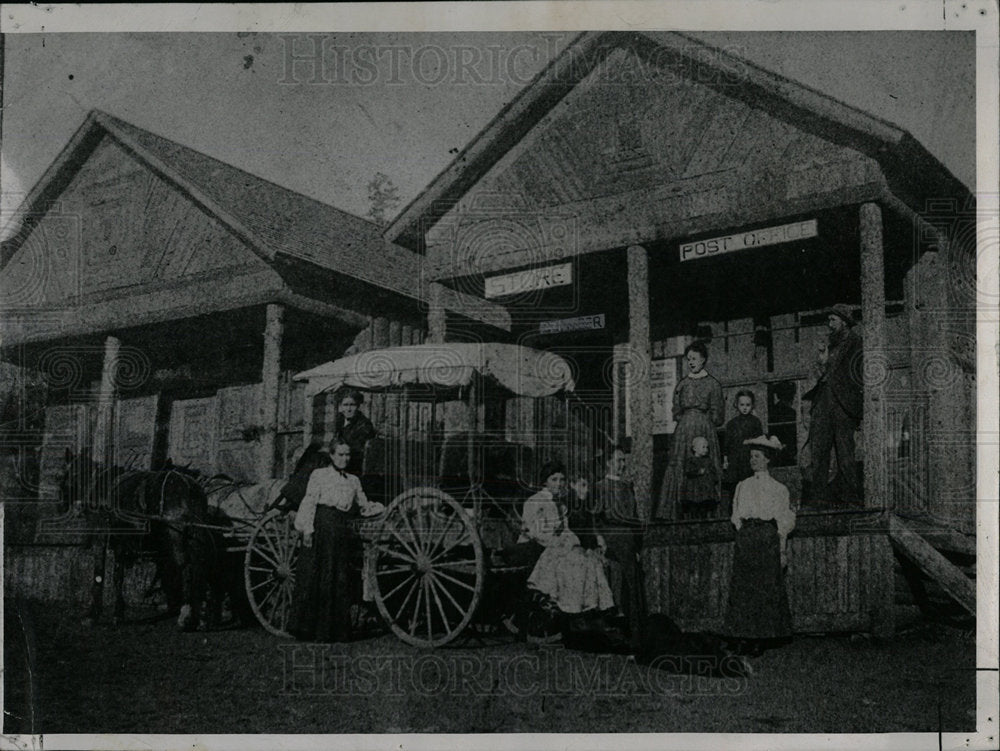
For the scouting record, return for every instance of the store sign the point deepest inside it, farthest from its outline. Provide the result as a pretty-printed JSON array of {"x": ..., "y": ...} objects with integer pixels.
[
  {"x": 529, "y": 280},
  {"x": 583, "y": 323},
  {"x": 755, "y": 238}
]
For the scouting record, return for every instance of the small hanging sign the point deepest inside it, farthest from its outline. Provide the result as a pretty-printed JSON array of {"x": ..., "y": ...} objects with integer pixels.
[
  {"x": 581, "y": 323},
  {"x": 529, "y": 280}
]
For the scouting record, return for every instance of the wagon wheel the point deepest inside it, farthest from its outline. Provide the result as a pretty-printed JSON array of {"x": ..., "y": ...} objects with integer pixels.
[
  {"x": 269, "y": 570},
  {"x": 429, "y": 567}
]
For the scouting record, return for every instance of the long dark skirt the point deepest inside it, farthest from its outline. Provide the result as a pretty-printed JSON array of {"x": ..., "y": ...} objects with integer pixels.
[
  {"x": 758, "y": 602},
  {"x": 625, "y": 574},
  {"x": 325, "y": 583}
]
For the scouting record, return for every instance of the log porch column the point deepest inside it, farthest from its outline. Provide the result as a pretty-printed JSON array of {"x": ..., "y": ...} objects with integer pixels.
[
  {"x": 876, "y": 364},
  {"x": 307, "y": 422},
  {"x": 103, "y": 438},
  {"x": 436, "y": 317},
  {"x": 269, "y": 383},
  {"x": 637, "y": 375}
]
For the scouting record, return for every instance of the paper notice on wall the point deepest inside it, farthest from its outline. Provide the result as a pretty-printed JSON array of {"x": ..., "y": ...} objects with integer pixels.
[{"x": 663, "y": 380}]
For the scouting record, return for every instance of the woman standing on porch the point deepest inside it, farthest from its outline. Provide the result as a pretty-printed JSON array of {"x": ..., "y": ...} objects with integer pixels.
[
  {"x": 699, "y": 410},
  {"x": 758, "y": 612}
]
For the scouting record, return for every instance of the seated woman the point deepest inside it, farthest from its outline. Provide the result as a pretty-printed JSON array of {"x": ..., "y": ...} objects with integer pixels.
[
  {"x": 569, "y": 575},
  {"x": 758, "y": 614}
]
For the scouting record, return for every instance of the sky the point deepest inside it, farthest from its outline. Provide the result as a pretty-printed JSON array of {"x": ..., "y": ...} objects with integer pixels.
[{"x": 403, "y": 104}]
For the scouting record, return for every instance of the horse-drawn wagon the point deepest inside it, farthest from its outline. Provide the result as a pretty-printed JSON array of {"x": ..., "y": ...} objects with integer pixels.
[{"x": 431, "y": 561}]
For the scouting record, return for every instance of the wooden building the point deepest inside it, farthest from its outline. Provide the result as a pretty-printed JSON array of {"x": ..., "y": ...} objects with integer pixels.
[
  {"x": 646, "y": 190},
  {"x": 163, "y": 299}
]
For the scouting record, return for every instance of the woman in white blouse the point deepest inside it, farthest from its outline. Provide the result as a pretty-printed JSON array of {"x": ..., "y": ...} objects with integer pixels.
[
  {"x": 758, "y": 613},
  {"x": 323, "y": 577}
]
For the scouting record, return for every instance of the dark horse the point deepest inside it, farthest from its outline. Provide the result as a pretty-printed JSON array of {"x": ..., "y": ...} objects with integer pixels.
[
  {"x": 293, "y": 491},
  {"x": 134, "y": 512}
]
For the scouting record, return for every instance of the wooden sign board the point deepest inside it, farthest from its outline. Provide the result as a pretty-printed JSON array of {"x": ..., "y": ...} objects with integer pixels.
[
  {"x": 755, "y": 238},
  {"x": 193, "y": 433},
  {"x": 581, "y": 323},
  {"x": 67, "y": 426},
  {"x": 529, "y": 280},
  {"x": 135, "y": 432}
]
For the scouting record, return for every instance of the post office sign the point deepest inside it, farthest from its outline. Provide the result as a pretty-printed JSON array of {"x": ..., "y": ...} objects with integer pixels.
[{"x": 754, "y": 238}]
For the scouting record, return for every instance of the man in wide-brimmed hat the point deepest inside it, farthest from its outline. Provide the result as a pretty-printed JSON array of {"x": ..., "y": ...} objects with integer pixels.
[{"x": 836, "y": 410}]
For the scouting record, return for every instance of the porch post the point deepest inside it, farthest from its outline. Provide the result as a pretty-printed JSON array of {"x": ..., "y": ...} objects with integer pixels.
[
  {"x": 637, "y": 375},
  {"x": 307, "y": 421},
  {"x": 102, "y": 448},
  {"x": 436, "y": 318},
  {"x": 876, "y": 365},
  {"x": 269, "y": 383}
]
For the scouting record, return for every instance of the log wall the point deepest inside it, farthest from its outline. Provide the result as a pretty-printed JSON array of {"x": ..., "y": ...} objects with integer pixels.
[
  {"x": 62, "y": 573},
  {"x": 839, "y": 575}
]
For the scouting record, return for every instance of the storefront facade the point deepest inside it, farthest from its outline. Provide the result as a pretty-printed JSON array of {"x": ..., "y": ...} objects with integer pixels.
[{"x": 646, "y": 191}]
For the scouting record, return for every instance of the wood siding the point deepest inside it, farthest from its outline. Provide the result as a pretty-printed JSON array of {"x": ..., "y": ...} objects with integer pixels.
[
  {"x": 63, "y": 573},
  {"x": 634, "y": 162},
  {"x": 82, "y": 250},
  {"x": 839, "y": 575},
  {"x": 238, "y": 412}
]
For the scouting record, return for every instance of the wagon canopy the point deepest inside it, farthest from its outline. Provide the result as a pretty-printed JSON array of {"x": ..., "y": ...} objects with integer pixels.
[{"x": 521, "y": 370}]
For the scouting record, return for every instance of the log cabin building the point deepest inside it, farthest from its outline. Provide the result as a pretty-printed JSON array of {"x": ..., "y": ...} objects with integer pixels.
[
  {"x": 163, "y": 299},
  {"x": 646, "y": 190}
]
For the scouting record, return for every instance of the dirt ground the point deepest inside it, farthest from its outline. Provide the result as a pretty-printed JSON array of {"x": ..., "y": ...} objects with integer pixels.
[{"x": 147, "y": 677}]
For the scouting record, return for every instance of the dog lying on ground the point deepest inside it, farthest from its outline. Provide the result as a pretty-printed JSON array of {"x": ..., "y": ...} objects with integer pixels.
[{"x": 664, "y": 646}]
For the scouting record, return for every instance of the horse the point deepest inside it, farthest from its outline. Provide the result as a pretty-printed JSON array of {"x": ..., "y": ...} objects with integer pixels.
[
  {"x": 132, "y": 512},
  {"x": 292, "y": 492}
]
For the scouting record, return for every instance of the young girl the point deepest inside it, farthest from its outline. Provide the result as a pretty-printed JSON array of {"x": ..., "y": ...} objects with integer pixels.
[
  {"x": 699, "y": 493},
  {"x": 321, "y": 604},
  {"x": 758, "y": 612},
  {"x": 699, "y": 409},
  {"x": 745, "y": 425}
]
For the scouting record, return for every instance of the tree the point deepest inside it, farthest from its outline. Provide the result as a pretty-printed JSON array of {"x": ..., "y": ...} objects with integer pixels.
[{"x": 383, "y": 198}]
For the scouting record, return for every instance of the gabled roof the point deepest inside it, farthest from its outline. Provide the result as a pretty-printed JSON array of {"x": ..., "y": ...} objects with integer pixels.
[
  {"x": 276, "y": 223},
  {"x": 912, "y": 173}
]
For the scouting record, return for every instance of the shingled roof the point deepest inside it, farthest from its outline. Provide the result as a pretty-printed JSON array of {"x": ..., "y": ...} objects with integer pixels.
[{"x": 274, "y": 221}]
